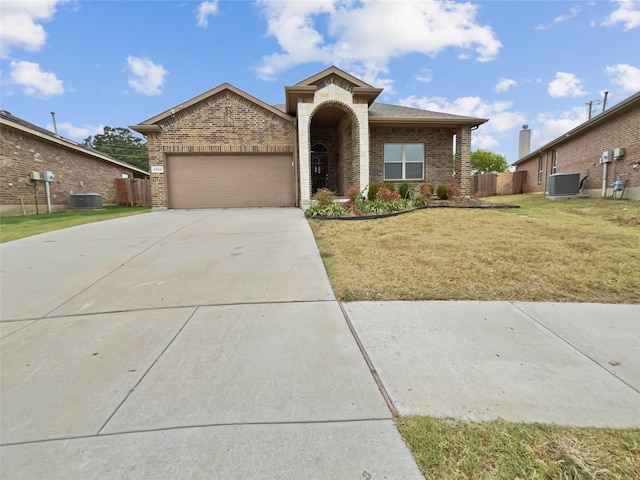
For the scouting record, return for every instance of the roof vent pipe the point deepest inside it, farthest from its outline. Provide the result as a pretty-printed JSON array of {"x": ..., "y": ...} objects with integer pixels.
[
  {"x": 604, "y": 103},
  {"x": 55, "y": 127}
]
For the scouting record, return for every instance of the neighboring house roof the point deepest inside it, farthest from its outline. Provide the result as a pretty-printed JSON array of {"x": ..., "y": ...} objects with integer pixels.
[
  {"x": 18, "y": 123},
  {"x": 151, "y": 125},
  {"x": 627, "y": 104}
]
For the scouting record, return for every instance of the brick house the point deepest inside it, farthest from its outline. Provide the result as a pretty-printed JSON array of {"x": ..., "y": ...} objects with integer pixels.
[
  {"x": 26, "y": 148},
  {"x": 225, "y": 148},
  {"x": 580, "y": 150}
]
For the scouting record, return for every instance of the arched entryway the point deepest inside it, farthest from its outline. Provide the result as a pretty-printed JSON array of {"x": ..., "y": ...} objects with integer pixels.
[{"x": 334, "y": 148}]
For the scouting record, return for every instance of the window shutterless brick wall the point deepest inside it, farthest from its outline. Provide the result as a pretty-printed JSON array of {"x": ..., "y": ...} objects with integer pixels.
[
  {"x": 223, "y": 123},
  {"x": 438, "y": 167},
  {"x": 581, "y": 153},
  {"x": 22, "y": 153}
]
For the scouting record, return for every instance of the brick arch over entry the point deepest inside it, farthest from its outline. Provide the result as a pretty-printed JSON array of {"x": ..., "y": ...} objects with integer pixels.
[{"x": 346, "y": 147}]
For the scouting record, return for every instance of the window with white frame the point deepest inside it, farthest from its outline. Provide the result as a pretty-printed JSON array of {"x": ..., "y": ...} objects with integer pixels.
[
  {"x": 554, "y": 161},
  {"x": 403, "y": 161},
  {"x": 540, "y": 171}
]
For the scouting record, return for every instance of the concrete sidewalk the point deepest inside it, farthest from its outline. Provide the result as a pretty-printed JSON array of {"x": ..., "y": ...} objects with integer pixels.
[
  {"x": 198, "y": 344},
  {"x": 185, "y": 344}
]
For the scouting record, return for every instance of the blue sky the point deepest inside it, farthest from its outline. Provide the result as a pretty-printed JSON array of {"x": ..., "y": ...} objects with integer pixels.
[{"x": 117, "y": 63}]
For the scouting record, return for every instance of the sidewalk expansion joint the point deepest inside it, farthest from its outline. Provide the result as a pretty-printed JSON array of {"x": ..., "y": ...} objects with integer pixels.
[
  {"x": 204, "y": 425},
  {"x": 147, "y": 371},
  {"x": 564, "y": 340},
  {"x": 168, "y": 307},
  {"x": 369, "y": 362}
]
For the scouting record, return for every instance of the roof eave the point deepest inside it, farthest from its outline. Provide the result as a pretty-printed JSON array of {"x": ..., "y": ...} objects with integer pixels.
[
  {"x": 72, "y": 145},
  {"x": 293, "y": 93},
  {"x": 474, "y": 122}
]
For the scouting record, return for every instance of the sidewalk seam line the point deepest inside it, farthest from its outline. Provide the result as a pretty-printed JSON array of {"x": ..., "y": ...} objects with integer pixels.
[
  {"x": 118, "y": 267},
  {"x": 204, "y": 425},
  {"x": 574, "y": 347},
  {"x": 370, "y": 365},
  {"x": 131, "y": 390}
]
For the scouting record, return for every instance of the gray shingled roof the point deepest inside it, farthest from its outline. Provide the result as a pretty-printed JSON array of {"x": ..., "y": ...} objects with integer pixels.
[
  {"x": 387, "y": 110},
  {"x": 90, "y": 151},
  {"x": 397, "y": 111}
]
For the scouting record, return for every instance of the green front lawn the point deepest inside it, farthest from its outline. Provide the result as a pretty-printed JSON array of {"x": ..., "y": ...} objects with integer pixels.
[{"x": 13, "y": 228}]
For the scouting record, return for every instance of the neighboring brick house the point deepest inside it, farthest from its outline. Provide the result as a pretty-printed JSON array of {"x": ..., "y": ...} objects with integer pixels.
[
  {"x": 26, "y": 148},
  {"x": 225, "y": 148},
  {"x": 580, "y": 150}
]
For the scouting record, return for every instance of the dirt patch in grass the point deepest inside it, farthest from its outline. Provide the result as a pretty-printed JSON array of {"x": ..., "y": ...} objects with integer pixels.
[
  {"x": 14, "y": 228},
  {"x": 502, "y": 450},
  {"x": 580, "y": 250}
]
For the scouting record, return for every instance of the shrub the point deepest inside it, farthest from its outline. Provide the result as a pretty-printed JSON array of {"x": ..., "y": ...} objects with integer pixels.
[
  {"x": 453, "y": 190},
  {"x": 331, "y": 210},
  {"x": 352, "y": 193},
  {"x": 389, "y": 186},
  {"x": 386, "y": 195},
  {"x": 426, "y": 190},
  {"x": 324, "y": 197},
  {"x": 441, "y": 191},
  {"x": 421, "y": 200},
  {"x": 375, "y": 206},
  {"x": 405, "y": 190},
  {"x": 398, "y": 205},
  {"x": 373, "y": 189}
]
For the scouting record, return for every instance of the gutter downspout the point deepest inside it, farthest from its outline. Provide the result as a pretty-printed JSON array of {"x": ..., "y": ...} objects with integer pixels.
[{"x": 604, "y": 179}]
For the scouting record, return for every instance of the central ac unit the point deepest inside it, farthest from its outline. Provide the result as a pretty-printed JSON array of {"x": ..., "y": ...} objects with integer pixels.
[{"x": 564, "y": 184}]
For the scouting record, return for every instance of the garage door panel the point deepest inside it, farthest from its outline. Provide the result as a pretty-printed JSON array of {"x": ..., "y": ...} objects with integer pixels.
[{"x": 214, "y": 181}]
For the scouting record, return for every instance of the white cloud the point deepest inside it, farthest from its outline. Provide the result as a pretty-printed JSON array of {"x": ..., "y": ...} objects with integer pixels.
[
  {"x": 20, "y": 24},
  {"x": 355, "y": 41},
  {"x": 627, "y": 13},
  {"x": 504, "y": 84},
  {"x": 573, "y": 12},
  {"x": 565, "y": 85},
  {"x": 69, "y": 130},
  {"x": 564, "y": 17},
  {"x": 146, "y": 77},
  {"x": 205, "y": 9},
  {"x": 501, "y": 120},
  {"x": 626, "y": 76},
  {"x": 424, "y": 75},
  {"x": 34, "y": 81},
  {"x": 552, "y": 125}
]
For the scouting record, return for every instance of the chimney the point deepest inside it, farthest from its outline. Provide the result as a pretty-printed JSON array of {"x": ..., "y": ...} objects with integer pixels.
[{"x": 524, "y": 145}]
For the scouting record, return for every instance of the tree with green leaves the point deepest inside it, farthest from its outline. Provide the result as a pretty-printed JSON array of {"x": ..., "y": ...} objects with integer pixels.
[
  {"x": 120, "y": 143},
  {"x": 483, "y": 161}
]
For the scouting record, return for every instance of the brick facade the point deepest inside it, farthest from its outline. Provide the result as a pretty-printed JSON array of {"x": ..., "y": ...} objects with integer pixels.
[
  {"x": 224, "y": 123},
  {"x": 438, "y": 150},
  {"x": 580, "y": 152},
  {"x": 75, "y": 172},
  {"x": 332, "y": 108}
]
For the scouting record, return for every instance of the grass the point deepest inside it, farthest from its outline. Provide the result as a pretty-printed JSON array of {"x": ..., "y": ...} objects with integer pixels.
[
  {"x": 13, "y": 228},
  {"x": 446, "y": 449},
  {"x": 580, "y": 250}
]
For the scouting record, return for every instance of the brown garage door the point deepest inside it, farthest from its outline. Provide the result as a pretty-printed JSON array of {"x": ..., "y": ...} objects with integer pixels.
[{"x": 214, "y": 181}]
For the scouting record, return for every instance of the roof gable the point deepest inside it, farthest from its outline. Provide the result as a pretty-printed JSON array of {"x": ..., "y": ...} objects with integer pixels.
[
  {"x": 333, "y": 75},
  {"x": 152, "y": 124}
]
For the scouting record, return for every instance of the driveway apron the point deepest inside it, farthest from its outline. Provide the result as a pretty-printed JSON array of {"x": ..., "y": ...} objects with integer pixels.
[{"x": 185, "y": 344}]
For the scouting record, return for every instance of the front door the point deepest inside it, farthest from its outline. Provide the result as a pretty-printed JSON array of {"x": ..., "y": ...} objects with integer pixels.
[{"x": 319, "y": 171}]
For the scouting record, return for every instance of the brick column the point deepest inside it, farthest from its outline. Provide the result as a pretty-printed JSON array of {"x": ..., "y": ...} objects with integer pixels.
[
  {"x": 158, "y": 180},
  {"x": 463, "y": 159}
]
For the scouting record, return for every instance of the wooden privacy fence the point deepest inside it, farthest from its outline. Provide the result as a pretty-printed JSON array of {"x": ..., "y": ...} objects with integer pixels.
[
  {"x": 507, "y": 183},
  {"x": 134, "y": 192}
]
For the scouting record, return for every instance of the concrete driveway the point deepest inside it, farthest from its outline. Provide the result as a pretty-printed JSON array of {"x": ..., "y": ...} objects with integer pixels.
[
  {"x": 185, "y": 344},
  {"x": 208, "y": 344}
]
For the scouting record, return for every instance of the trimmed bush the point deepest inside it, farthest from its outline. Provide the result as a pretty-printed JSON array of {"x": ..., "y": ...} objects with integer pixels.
[
  {"x": 426, "y": 190},
  {"x": 453, "y": 190},
  {"x": 373, "y": 189},
  {"x": 441, "y": 191},
  {"x": 324, "y": 197},
  {"x": 405, "y": 190},
  {"x": 386, "y": 195}
]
